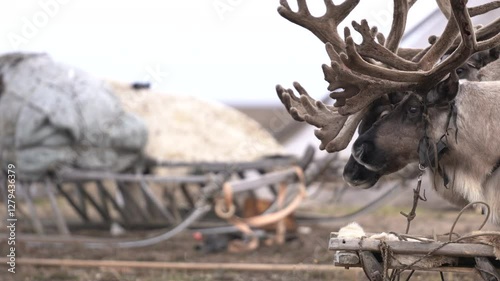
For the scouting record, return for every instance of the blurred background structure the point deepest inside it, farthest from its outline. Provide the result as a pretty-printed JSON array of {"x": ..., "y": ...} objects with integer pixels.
[{"x": 232, "y": 51}]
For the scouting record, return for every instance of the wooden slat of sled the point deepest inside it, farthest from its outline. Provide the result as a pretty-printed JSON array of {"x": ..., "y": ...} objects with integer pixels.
[{"x": 417, "y": 248}]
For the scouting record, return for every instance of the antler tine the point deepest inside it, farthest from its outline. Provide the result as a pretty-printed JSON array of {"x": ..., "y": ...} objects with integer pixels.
[
  {"x": 440, "y": 46},
  {"x": 400, "y": 15},
  {"x": 489, "y": 44},
  {"x": 467, "y": 47},
  {"x": 340, "y": 77},
  {"x": 343, "y": 138},
  {"x": 444, "y": 43},
  {"x": 489, "y": 30},
  {"x": 324, "y": 27},
  {"x": 409, "y": 53},
  {"x": 483, "y": 9},
  {"x": 386, "y": 50},
  {"x": 316, "y": 113},
  {"x": 445, "y": 7},
  {"x": 371, "y": 49},
  {"x": 355, "y": 62},
  {"x": 482, "y": 33},
  {"x": 358, "y": 90},
  {"x": 411, "y": 2},
  {"x": 291, "y": 102}
]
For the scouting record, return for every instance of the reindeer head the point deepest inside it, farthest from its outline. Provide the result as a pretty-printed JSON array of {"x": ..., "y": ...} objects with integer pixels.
[{"x": 356, "y": 174}]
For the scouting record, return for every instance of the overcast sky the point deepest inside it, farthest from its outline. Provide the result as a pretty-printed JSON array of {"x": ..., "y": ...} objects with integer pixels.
[{"x": 234, "y": 51}]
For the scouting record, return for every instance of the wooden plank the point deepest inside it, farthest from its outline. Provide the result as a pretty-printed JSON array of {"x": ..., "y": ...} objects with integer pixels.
[
  {"x": 102, "y": 199},
  {"x": 194, "y": 266},
  {"x": 176, "y": 265},
  {"x": 405, "y": 247},
  {"x": 106, "y": 195},
  {"x": 351, "y": 260},
  {"x": 83, "y": 214},
  {"x": 187, "y": 195},
  {"x": 346, "y": 259},
  {"x": 154, "y": 202},
  {"x": 77, "y": 175},
  {"x": 104, "y": 215},
  {"x": 132, "y": 207},
  {"x": 23, "y": 189},
  {"x": 59, "y": 217}
]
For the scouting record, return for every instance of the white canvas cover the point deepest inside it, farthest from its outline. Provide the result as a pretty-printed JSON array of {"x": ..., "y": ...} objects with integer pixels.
[{"x": 54, "y": 116}]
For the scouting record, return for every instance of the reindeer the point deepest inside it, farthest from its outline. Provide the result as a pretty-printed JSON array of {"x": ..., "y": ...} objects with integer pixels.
[{"x": 360, "y": 74}]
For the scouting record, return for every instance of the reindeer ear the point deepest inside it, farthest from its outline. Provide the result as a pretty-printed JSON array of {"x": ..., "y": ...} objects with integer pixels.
[
  {"x": 481, "y": 59},
  {"x": 396, "y": 97},
  {"x": 445, "y": 91}
]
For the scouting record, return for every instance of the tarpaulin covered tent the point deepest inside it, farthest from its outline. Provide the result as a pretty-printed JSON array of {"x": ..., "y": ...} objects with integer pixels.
[{"x": 54, "y": 116}]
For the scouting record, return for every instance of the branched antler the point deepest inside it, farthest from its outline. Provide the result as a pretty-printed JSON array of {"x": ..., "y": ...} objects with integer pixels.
[
  {"x": 335, "y": 131},
  {"x": 369, "y": 48},
  {"x": 400, "y": 15},
  {"x": 324, "y": 27},
  {"x": 359, "y": 74},
  {"x": 428, "y": 78}
]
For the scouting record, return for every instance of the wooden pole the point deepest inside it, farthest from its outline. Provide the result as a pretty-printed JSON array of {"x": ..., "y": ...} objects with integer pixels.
[
  {"x": 175, "y": 265},
  {"x": 410, "y": 248},
  {"x": 201, "y": 266}
]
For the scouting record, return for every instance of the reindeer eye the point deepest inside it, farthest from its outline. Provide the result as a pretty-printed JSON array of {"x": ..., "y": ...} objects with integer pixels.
[
  {"x": 384, "y": 114},
  {"x": 413, "y": 111},
  {"x": 459, "y": 70}
]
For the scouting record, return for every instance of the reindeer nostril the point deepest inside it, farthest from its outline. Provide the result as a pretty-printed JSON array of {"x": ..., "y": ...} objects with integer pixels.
[
  {"x": 362, "y": 150},
  {"x": 368, "y": 147}
]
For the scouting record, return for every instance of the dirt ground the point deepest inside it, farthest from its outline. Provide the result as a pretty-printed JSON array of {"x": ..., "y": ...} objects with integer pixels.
[{"x": 433, "y": 216}]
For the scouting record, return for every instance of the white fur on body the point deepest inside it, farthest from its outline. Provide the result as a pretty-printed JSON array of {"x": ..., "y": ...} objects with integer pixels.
[
  {"x": 471, "y": 158},
  {"x": 490, "y": 72}
]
